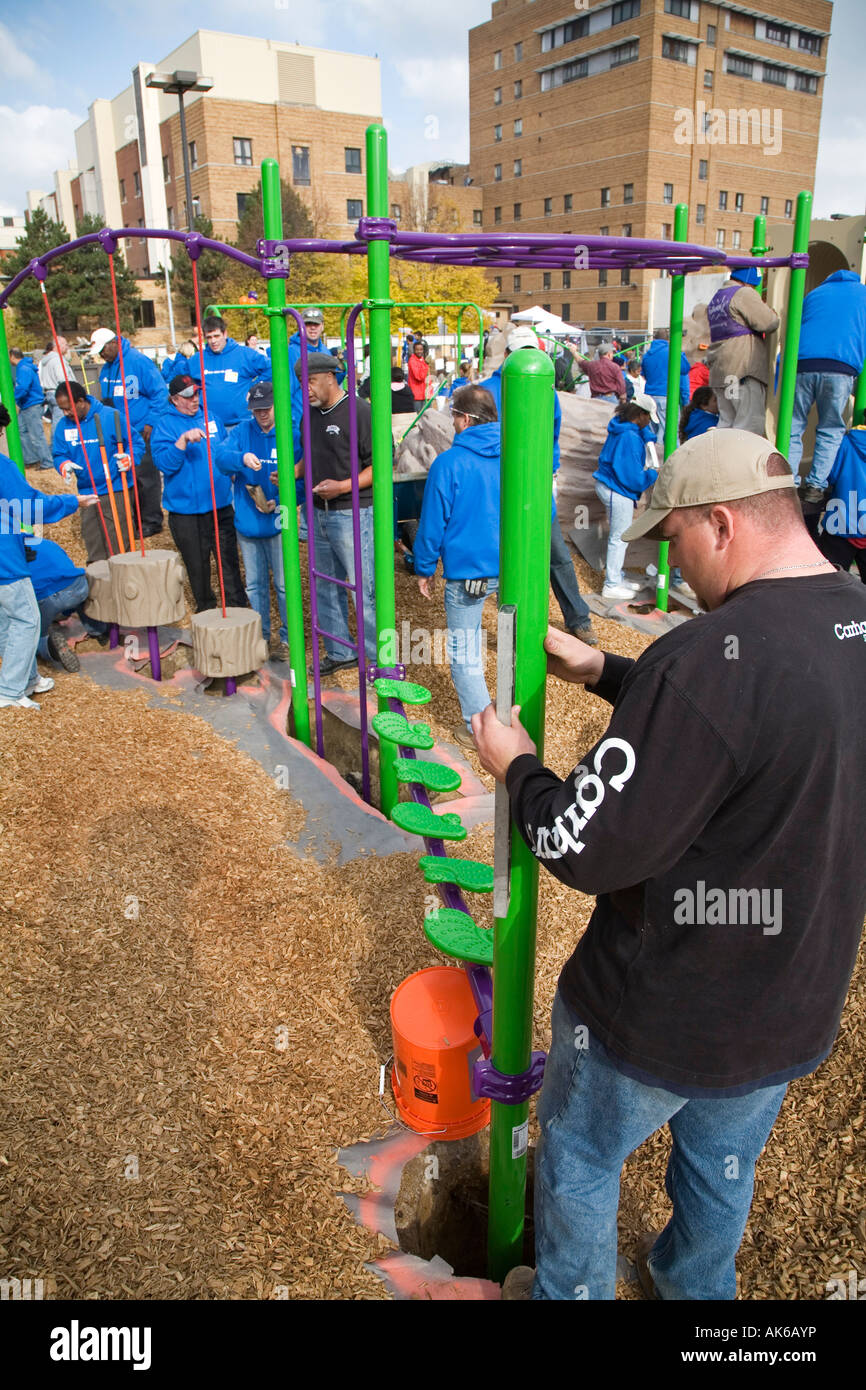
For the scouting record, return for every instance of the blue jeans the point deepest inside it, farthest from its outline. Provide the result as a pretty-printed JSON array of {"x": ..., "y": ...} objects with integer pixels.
[
  {"x": 592, "y": 1117},
  {"x": 608, "y": 396},
  {"x": 563, "y": 581},
  {"x": 829, "y": 392},
  {"x": 34, "y": 445},
  {"x": 66, "y": 600},
  {"x": 465, "y": 646},
  {"x": 335, "y": 554},
  {"x": 19, "y": 637},
  {"x": 263, "y": 557},
  {"x": 620, "y": 511},
  {"x": 662, "y": 408}
]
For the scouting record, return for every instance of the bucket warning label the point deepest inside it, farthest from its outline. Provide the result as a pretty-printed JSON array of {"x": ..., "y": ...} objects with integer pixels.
[
  {"x": 424, "y": 1082},
  {"x": 519, "y": 1139}
]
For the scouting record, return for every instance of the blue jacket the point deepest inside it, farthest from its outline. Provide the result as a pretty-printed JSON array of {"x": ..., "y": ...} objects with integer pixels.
[
  {"x": 460, "y": 511},
  {"x": 295, "y": 352},
  {"x": 51, "y": 569},
  {"x": 654, "y": 370},
  {"x": 249, "y": 439},
  {"x": 174, "y": 366},
  {"x": 228, "y": 377},
  {"x": 146, "y": 391},
  {"x": 66, "y": 445},
  {"x": 493, "y": 384},
  {"x": 699, "y": 422},
  {"x": 845, "y": 509},
  {"x": 833, "y": 336},
  {"x": 28, "y": 389},
  {"x": 186, "y": 473},
  {"x": 621, "y": 461},
  {"x": 22, "y": 505}
]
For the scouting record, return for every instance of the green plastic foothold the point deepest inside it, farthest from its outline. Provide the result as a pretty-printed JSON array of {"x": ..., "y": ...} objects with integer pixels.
[
  {"x": 436, "y": 777},
  {"x": 397, "y": 729},
  {"x": 407, "y": 691},
  {"x": 455, "y": 934},
  {"x": 470, "y": 874},
  {"x": 421, "y": 820}
]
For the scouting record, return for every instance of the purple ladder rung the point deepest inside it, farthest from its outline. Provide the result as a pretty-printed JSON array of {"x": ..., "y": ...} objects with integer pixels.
[
  {"x": 332, "y": 579},
  {"x": 343, "y": 641}
]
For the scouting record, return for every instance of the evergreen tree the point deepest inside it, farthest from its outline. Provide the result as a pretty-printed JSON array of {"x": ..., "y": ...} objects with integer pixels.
[
  {"x": 78, "y": 284},
  {"x": 296, "y": 218},
  {"x": 211, "y": 268}
]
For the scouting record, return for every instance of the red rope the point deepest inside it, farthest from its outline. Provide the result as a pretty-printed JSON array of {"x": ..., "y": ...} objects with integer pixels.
[
  {"x": 216, "y": 523},
  {"x": 125, "y": 403},
  {"x": 75, "y": 412}
]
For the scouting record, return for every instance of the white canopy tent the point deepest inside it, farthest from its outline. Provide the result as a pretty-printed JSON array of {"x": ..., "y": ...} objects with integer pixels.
[{"x": 546, "y": 322}]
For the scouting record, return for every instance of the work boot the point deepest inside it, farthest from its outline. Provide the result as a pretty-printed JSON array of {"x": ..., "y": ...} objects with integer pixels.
[
  {"x": 584, "y": 634},
  {"x": 60, "y": 651},
  {"x": 517, "y": 1284},
  {"x": 463, "y": 736}
]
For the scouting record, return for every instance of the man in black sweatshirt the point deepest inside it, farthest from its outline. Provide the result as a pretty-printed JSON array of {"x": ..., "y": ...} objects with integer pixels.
[{"x": 720, "y": 823}]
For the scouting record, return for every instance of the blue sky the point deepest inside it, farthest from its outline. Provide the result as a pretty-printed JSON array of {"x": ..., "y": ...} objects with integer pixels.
[{"x": 56, "y": 58}]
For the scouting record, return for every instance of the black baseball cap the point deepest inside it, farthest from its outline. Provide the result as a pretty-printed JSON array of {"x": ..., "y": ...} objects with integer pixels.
[
  {"x": 183, "y": 385},
  {"x": 318, "y": 362},
  {"x": 261, "y": 396}
]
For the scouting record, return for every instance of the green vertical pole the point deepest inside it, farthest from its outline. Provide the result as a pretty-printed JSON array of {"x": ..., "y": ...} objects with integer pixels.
[
  {"x": 7, "y": 395},
  {"x": 459, "y": 338},
  {"x": 272, "y": 210},
  {"x": 793, "y": 324},
  {"x": 759, "y": 236},
  {"x": 379, "y": 295},
  {"x": 524, "y": 547},
  {"x": 859, "y": 399},
  {"x": 672, "y": 421}
]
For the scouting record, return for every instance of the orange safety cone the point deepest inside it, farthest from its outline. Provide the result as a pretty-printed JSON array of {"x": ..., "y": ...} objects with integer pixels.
[{"x": 435, "y": 1049}]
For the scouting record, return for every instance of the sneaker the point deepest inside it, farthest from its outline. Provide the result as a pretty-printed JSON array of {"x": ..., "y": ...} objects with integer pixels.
[
  {"x": 328, "y": 665},
  {"x": 24, "y": 703},
  {"x": 584, "y": 634},
  {"x": 517, "y": 1284},
  {"x": 42, "y": 686},
  {"x": 683, "y": 588},
  {"x": 281, "y": 652},
  {"x": 462, "y": 735},
  {"x": 617, "y": 591},
  {"x": 60, "y": 651},
  {"x": 811, "y": 496},
  {"x": 644, "y": 1246}
]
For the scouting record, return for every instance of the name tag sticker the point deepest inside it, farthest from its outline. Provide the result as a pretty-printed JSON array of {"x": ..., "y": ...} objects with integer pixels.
[
  {"x": 70, "y": 436},
  {"x": 211, "y": 426},
  {"x": 231, "y": 376},
  {"x": 118, "y": 389}
]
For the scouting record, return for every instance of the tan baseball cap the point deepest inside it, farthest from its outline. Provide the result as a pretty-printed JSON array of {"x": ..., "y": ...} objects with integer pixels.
[{"x": 718, "y": 466}]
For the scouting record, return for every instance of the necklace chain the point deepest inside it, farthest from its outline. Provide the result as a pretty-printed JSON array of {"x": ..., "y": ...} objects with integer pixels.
[{"x": 817, "y": 564}]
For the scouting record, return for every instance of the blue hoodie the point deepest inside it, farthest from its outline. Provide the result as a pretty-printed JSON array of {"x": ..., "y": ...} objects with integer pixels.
[
  {"x": 654, "y": 370},
  {"x": 28, "y": 390},
  {"x": 248, "y": 438},
  {"x": 700, "y": 421},
  {"x": 460, "y": 511},
  {"x": 174, "y": 366},
  {"x": 186, "y": 473},
  {"x": 295, "y": 352},
  {"x": 22, "y": 505},
  {"x": 228, "y": 377},
  {"x": 621, "y": 461},
  {"x": 146, "y": 391},
  {"x": 845, "y": 508},
  {"x": 66, "y": 444},
  {"x": 51, "y": 569},
  {"x": 493, "y": 384},
  {"x": 833, "y": 336}
]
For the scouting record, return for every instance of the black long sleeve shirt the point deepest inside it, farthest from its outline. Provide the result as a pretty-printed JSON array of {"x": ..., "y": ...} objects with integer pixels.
[{"x": 721, "y": 822}]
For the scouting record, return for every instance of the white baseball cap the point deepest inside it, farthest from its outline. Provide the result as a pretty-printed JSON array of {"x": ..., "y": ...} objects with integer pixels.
[
  {"x": 646, "y": 403},
  {"x": 98, "y": 339},
  {"x": 521, "y": 338}
]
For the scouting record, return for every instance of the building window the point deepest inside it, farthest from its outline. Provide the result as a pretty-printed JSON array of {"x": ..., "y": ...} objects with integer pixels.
[
  {"x": 516, "y": 284},
  {"x": 497, "y": 280},
  {"x": 739, "y": 67},
  {"x": 354, "y": 209},
  {"x": 564, "y": 33},
  {"x": 518, "y": 211},
  {"x": 566, "y": 279},
  {"x": 735, "y": 241},
  {"x": 353, "y": 160},
  {"x": 396, "y": 212},
  {"x": 193, "y": 154},
  {"x": 166, "y": 173},
  {"x": 623, "y": 310},
  {"x": 497, "y": 173},
  {"x": 140, "y": 222},
  {"x": 708, "y": 78},
  {"x": 711, "y": 35},
  {"x": 720, "y": 237},
  {"x": 626, "y": 53},
  {"x": 518, "y": 168},
  {"x": 605, "y": 197},
  {"x": 625, "y": 276},
  {"x": 548, "y": 207},
  {"x": 777, "y": 77},
  {"x": 518, "y": 90},
  {"x": 625, "y": 9},
  {"x": 628, "y": 192},
  {"x": 518, "y": 126},
  {"x": 676, "y": 50},
  {"x": 566, "y": 202},
  {"x": 497, "y": 132},
  {"x": 701, "y": 214},
  {"x": 723, "y": 200},
  {"x": 301, "y": 164},
  {"x": 603, "y": 231},
  {"x": 196, "y": 208},
  {"x": 243, "y": 150},
  {"x": 566, "y": 312},
  {"x": 497, "y": 60},
  {"x": 518, "y": 53},
  {"x": 477, "y": 216},
  {"x": 682, "y": 8},
  {"x": 497, "y": 217},
  {"x": 170, "y": 215},
  {"x": 777, "y": 33},
  {"x": 242, "y": 199},
  {"x": 667, "y": 231},
  {"x": 703, "y": 169},
  {"x": 809, "y": 43},
  {"x": 497, "y": 96},
  {"x": 738, "y": 202},
  {"x": 146, "y": 314},
  {"x": 602, "y": 278},
  {"x": 668, "y": 194},
  {"x": 601, "y": 311},
  {"x": 765, "y": 206},
  {"x": 626, "y": 229},
  {"x": 789, "y": 207},
  {"x": 545, "y": 280},
  {"x": 805, "y": 82},
  {"x": 546, "y": 308},
  {"x": 136, "y": 183},
  {"x": 122, "y": 191}
]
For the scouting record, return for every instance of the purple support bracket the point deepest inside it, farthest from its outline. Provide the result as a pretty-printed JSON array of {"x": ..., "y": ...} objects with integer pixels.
[
  {"x": 153, "y": 646},
  {"x": 231, "y": 685},
  {"x": 394, "y": 673},
  {"x": 508, "y": 1090},
  {"x": 113, "y": 635},
  {"x": 376, "y": 228},
  {"x": 38, "y": 270},
  {"x": 194, "y": 245},
  {"x": 275, "y": 258},
  {"x": 107, "y": 240}
]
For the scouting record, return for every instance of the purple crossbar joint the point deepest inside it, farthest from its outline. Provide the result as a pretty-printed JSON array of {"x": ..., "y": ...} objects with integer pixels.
[
  {"x": 394, "y": 673},
  {"x": 107, "y": 240},
  {"x": 508, "y": 1090},
  {"x": 194, "y": 244},
  {"x": 274, "y": 259},
  {"x": 377, "y": 228},
  {"x": 38, "y": 270},
  {"x": 800, "y": 260}
]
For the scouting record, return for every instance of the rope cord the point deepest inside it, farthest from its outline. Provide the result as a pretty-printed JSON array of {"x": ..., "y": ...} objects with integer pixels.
[
  {"x": 126, "y": 403},
  {"x": 216, "y": 521}
]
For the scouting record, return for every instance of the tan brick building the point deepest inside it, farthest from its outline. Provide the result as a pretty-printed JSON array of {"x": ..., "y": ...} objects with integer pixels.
[{"x": 599, "y": 117}]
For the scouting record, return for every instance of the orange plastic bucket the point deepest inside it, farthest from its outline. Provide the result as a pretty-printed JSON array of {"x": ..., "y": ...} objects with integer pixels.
[{"x": 435, "y": 1048}]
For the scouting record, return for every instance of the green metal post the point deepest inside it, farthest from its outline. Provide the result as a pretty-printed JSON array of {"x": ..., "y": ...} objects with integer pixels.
[
  {"x": 759, "y": 237},
  {"x": 860, "y": 399},
  {"x": 793, "y": 324},
  {"x": 524, "y": 547},
  {"x": 672, "y": 419},
  {"x": 379, "y": 298},
  {"x": 272, "y": 212},
  {"x": 7, "y": 395}
]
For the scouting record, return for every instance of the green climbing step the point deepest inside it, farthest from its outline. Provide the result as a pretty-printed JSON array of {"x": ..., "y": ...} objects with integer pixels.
[
  {"x": 434, "y": 776},
  {"x": 421, "y": 820},
  {"x": 455, "y": 934},
  {"x": 397, "y": 729},
  {"x": 407, "y": 691},
  {"x": 470, "y": 874}
]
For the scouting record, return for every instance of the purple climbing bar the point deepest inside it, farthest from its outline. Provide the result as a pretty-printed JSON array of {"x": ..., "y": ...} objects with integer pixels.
[{"x": 155, "y": 661}]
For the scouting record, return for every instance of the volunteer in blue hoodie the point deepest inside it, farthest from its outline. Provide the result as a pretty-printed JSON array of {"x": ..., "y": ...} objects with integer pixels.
[
  {"x": 61, "y": 588},
  {"x": 623, "y": 473},
  {"x": 30, "y": 400},
  {"x": 147, "y": 397},
  {"x": 249, "y": 457},
  {"x": 179, "y": 445},
  {"x": 460, "y": 524},
  {"x": 843, "y": 534},
  {"x": 230, "y": 370},
  {"x": 72, "y": 461},
  {"x": 831, "y": 356},
  {"x": 20, "y": 625},
  {"x": 654, "y": 370},
  {"x": 314, "y": 332},
  {"x": 563, "y": 580}
]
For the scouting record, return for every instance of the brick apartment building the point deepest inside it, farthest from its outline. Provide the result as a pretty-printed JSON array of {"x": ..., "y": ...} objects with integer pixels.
[{"x": 599, "y": 117}]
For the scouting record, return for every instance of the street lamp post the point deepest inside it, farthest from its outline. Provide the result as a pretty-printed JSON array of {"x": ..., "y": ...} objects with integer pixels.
[{"x": 178, "y": 83}]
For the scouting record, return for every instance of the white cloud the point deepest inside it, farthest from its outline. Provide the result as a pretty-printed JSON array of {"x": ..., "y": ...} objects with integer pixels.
[
  {"x": 15, "y": 64},
  {"x": 840, "y": 180},
  {"x": 33, "y": 143}
]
